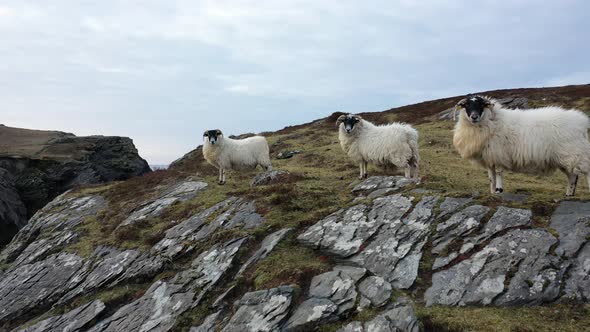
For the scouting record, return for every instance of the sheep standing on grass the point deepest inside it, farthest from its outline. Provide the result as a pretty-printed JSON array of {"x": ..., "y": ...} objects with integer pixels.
[
  {"x": 236, "y": 154},
  {"x": 394, "y": 144},
  {"x": 537, "y": 141}
]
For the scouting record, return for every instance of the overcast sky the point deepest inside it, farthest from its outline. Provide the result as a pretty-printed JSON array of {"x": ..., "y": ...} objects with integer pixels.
[{"x": 161, "y": 72}]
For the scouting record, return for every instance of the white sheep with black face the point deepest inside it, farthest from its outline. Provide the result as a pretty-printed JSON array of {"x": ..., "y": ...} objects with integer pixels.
[
  {"x": 393, "y": 144},
  {"x": 235, "y": 154},
  {"x": 536, "y": 141}
]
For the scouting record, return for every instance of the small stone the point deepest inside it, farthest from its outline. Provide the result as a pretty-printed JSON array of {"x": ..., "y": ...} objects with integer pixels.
[{"x": 270, "y": 177}]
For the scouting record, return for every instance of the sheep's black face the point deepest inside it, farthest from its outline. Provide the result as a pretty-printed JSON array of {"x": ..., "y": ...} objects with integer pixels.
[
  {"x": 475, "y": 108},
  {"x": 349, "y": 123},
  {"x": 212, "y": 136}
]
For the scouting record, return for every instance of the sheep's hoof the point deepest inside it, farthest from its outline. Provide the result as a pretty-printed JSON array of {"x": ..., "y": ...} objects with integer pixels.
[
  {"x": 499, "y": 190},
  {"x": 221, "y": 183}
]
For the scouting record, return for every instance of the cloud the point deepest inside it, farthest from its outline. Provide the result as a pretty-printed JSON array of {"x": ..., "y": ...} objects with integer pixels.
[{"x": 162, "y": 71}]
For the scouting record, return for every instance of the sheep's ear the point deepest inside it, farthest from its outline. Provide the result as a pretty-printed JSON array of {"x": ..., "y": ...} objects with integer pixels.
[
  {"x": 219, "y": 133},
  {"x": 340, "y": 120},
  {"x": 206, "y": 133},
  {"x": 357, "y": 118}
]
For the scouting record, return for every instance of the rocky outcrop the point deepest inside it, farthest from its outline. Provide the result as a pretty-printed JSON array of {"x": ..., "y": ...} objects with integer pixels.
[
  {"x": 75, "y": 320},
  {"x": 35, "y": 285},
  {"x": 13, "y": 214},
  {"x": 480, "y": 256},
  {"x": 45, "y": 164},
  {"x": 51, "y": 229},
  {"x": 179, "y": 192},
  {"x": 264, "y": 310},
  {"x": 343, "y": 232},
  {"x": 400, "y": 317}
]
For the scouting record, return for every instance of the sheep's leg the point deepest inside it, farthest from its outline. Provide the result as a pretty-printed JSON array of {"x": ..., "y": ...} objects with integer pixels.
[
  {"x": 572, "y": 182},
  {"x": 363, "y": 168},
  {"x": 221, "y": 176},
  {"x": 415, "y": 172},
  {"x": 492, "y": 176},
  {"x": 499, "y": 187},
  {"x": 408, "y": 172},
  {"x": 366, "y": 166}
]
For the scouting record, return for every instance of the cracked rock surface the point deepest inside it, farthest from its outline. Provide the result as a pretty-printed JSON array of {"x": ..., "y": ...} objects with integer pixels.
[
  {"x": 344, "y": 232},
  {"x": 75, "y": 320},
  {"x": 264, "y": 310},
  {"x": 178, "y": 192}
]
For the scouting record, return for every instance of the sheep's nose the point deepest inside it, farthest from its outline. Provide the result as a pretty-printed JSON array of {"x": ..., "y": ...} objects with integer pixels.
[{"x": 474, "y": 116}]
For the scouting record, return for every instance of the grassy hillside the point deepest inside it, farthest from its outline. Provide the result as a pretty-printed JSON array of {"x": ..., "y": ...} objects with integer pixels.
[{"x": 319, "y": 184}]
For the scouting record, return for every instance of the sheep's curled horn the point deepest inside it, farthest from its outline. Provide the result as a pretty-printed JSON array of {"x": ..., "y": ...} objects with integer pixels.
[
  {"x": 340, "y": 119},
  {"x": 460, "y": 104}
]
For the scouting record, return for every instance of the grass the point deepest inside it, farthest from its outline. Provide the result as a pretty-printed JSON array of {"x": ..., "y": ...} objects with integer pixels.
[
  {"x": 559, "y": 317},
  {"x": 288, "y": 264}
]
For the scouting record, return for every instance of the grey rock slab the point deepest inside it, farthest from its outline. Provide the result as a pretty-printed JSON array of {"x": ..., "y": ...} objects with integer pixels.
[
  {"x": 382, "y": 182},
  {"x": 344, "y": 232},
  {"x": 504, "y": 218},
  {"x": 209, "y": 267},
  {"x": 480, "y": 279},
  {"x": 51, "y": 228},
  {"x": 352, "y": 327},
  {"x": 267, "y": 245},
  {"x": 395, "y": 252},
  {"x": 269, "y": 177},
  {"x": 264, "y": 310},
  {"x": 312, "y": 312},
  {"x": 208, "y": 325},
  {"x": 400, "y": 317},
  {"x": 458, "y": 225},
  {"x": 452, "y": 204},
  {"x": 39, "y": 284},
  {"x": 179, "y": 192},
  {"x": 109, "y": 264},
  {"x": 156, "y": 310},
  {"x": 572, "y": 221},
  {"x": 356, "y": 273},
  {"x": 577, "y": 287},
  {"x": 376, "y": 289},
  {"x": 73, "y": 321},
  {"x": 231, "y": 213},
  {"x": 336, "y": 286},
  {"x": 142, "y": 268}
]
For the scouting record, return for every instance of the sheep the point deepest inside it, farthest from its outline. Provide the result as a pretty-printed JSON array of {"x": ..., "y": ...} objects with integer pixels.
[
  {"x": 536, "y": 141},
  {"x": 393, "y": 144},
  {"x": 236, "y": 154}
]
